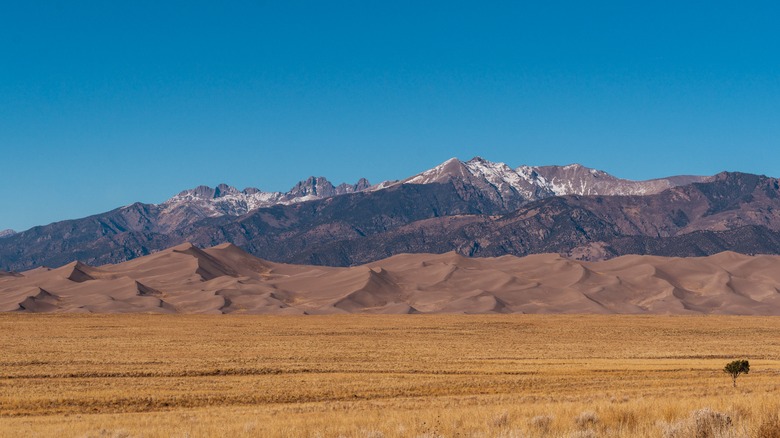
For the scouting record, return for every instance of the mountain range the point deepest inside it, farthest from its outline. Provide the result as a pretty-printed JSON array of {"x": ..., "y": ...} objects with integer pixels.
[
  {"x": 225, "y": 279},
  {"x": 476, "y": 208}
]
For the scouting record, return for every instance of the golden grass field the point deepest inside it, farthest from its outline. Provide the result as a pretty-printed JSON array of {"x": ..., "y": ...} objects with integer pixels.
[{"x": 387, "y": 376}]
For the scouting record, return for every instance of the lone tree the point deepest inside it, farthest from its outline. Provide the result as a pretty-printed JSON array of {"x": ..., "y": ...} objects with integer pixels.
[{"x": 735, "y": 368}]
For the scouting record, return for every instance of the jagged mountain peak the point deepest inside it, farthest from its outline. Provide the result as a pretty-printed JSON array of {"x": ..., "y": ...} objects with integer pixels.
[
  {"x": 444, "y": 172},
  {"x": 314, "y": 187},
  {"x": 225, "y": 190},
  {"x": 362, "y": 184},
  {"x": 190, "y": 206},
  {"x": 200, "y": 192},
  {"x": 483, "y": 178},
  {"x": 455, "y": 168},
  {"x": 320, "y": 187},
  {"x": 576, "y": 169},
  {"x": 221, "y": 190},
  {"x": 478, "y": 161}
]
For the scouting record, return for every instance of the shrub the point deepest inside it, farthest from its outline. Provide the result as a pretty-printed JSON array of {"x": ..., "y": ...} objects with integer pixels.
[
  {"x": 541, "y": 424},
  {"x": 586, "y": 419},
  {"x": 709, "y": 423},
  {"x": 704, "y": 423}
]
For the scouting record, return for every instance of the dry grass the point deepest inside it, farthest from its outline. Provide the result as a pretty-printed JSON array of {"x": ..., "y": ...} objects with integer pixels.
[{"x": 387, "y": 376}]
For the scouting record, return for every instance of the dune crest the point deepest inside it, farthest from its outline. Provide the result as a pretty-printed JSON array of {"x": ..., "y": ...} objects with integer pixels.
[{"x": 225, "y": 279}]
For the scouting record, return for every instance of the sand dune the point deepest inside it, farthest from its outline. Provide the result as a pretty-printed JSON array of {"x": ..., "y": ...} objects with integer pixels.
[{"x": 225, "y": 279}]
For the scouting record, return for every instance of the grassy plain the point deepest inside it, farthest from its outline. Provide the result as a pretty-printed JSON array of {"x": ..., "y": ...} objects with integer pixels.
[{"x": 387, "y": 376}]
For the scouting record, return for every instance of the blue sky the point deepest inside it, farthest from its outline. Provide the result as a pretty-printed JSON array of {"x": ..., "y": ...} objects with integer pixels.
[{"x": 107, "y": 103}]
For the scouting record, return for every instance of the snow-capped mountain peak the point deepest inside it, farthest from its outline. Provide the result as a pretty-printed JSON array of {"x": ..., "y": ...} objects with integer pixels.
[
  {"x": 496, "y": 181},
  {"x": 200, "y": 202},
  {"x": 442, "y": 173},
  {"x": 501, "y": 176}
]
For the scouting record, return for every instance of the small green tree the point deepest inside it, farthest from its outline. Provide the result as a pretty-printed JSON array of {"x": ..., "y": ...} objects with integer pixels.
[{"x": 735, "y": 368}]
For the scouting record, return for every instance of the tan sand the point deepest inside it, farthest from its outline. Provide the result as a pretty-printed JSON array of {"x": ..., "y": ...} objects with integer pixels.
[{"x": 225, "y": 279}]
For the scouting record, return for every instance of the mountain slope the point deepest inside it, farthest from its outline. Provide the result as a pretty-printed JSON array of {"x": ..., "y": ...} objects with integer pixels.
[
  {"x": 476, "y": 207},
  {"x": 738, "y": 212},
  {"x": 576, "y": 179},
  {"x": 734, "y": 211},
  {"x": 512, "y": 188},
  {"x": 280, "y": 231}
]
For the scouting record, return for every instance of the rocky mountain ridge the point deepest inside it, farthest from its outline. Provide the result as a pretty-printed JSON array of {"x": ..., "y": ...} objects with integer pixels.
[
  {"x": 514, "y": 187},
  {"x": 509, "y": 188},
  {"x": 192, "y": 205},
  {"x": 476, "y": 208}
]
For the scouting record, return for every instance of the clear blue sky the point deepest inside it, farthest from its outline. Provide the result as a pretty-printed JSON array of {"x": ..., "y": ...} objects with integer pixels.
[{"x": 105, "y": 103}]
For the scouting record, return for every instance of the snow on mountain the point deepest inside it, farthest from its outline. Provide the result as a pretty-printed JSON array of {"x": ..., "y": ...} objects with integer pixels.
[
  {"x": 575, "y": 179},
  {"x": 444, "y": 172},
  {"x": 319, "y": 187},
  {"x": 498, "y": 182},
  {"x": 507, "y": 180},
  {"x": 7, "y": 233},
  {"x": 512, "y": 187},
  {"x": 201, "y": 202}
]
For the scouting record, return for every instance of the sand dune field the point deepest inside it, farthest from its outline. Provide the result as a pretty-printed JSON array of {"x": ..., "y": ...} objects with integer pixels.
[{"x": 225, "y": 279}]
